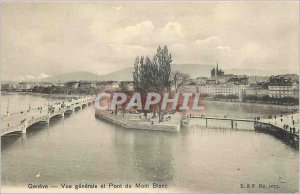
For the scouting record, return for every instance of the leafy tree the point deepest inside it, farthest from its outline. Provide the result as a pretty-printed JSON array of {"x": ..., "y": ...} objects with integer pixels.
[
  {"x": 232, "y": 97},
  {"x": 220, "y": 96},
  {"x": 153, "y": 75},
  {"x": 204, "y": 95},
  {"x": 179, "y": 79},
  {"x": 252, "y": 97},
  {"x": 266, "y": 98}
]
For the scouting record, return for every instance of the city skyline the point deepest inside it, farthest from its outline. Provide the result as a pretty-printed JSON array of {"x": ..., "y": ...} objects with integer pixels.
[{"x": 43, "y": 39}]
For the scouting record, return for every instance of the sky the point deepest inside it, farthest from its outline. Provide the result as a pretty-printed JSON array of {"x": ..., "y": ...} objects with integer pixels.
[{"x": 41, "y": 39}]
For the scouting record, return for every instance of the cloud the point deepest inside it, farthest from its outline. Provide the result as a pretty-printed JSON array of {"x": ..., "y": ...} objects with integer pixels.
[
  {"x": 207, "y": 50},
  {"x": 145, "y": 34},
  {"x": 209, "y": 42},
  {"x": 43, "y": 76},
  {"x": 143, "y": 27},
  {"x": 225, "y": 49},
  {"x": 32, "y": 77},
  {"x": 59, "y": 38},
  {"x": 171, "y": 33},
  {"x": 118, "y": 8},
  {"x": 135, "y": 34}
]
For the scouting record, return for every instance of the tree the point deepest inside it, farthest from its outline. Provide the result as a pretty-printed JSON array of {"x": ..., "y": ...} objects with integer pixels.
[
  {"x": 204, "y": 95},
  {"x": 163, "y": 61},
  {"x": 251, "y": 97},
  {"x": 153, "y": 75},
  {"x": 179, "y": 79},
  {"x": 232, "y": 97},
  {"x": 266, "y": 98},
  {"x": 289, "y": 100},
  {"x": 136, "y": 73}
]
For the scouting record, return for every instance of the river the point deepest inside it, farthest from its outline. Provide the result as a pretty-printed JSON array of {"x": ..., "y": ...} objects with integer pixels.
[{"x": 82, "y": 149}]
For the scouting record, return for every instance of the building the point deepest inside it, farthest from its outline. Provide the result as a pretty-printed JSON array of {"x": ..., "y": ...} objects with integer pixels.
[
  {"x": 256, "y": 91},
  {"x": 86, "y": 85},
  {"x": 191, "y": 87},
  {"x": 216, "y": 72},
  {"x": 8, "y": 86},
  {"x": 201, "y": 80},
  {"x": 211, "y": 82},
  {"x": 127, "y": 85},
  {"x": 72, "y": 84},
  {"x": 108, "y": 85},
  {"x": 284, "y": 90},
  {"x": 280, "y": 87},
  {"x": 24, "y": 86},
  {"x": 258, "y": 79},
  {"x": 222, "y": 89},
  {"x": 209, "y": 90},
  {"x": 238, "y": 80},
  {"x": 219, "y": 76}
]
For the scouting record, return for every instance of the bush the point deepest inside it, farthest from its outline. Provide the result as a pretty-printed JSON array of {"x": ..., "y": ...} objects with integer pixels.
[
  {"x": 220, "y": 96},
  {"x": 251, "y": 97},
  {"x": 232, "y": 96}
]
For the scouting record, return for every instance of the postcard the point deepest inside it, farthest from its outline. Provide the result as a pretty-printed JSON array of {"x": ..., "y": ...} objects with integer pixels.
[{"x": 149, "y": 96}]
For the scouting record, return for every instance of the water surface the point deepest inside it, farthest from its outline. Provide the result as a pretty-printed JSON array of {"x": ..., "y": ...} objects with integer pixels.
[{"x": 82, "y": 149}]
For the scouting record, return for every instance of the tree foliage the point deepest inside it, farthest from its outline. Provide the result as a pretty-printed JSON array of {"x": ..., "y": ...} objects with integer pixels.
[
  {"x": 179, "y": 79},
  {"x": 153, "y": 75}
]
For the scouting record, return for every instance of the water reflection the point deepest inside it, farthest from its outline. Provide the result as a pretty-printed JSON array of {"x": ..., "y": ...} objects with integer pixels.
[
  {"x": 148, "y": 154},
  {"x": 239, "y": 110},
  {"x": 82, "y": 149}
]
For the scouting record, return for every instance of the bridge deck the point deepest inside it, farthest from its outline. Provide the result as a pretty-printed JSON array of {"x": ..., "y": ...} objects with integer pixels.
[
  {"x": 291, "y": 120},
  {"x": 17, "y": 122}
]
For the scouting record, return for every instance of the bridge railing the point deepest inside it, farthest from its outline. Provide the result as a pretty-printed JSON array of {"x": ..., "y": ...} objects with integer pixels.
[
  {"x": 37, "y": 119},
  {"x": 18, "y": 119}
]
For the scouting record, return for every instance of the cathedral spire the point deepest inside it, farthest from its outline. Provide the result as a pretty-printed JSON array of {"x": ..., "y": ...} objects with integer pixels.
[{"x": 217, "y": 66}]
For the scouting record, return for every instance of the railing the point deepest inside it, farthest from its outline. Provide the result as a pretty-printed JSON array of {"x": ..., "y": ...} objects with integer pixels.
[{"x": 25, "y": 120}]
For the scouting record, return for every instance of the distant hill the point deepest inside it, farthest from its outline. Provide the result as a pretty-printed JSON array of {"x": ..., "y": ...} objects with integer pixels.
[
  {"x": 194, "y": 70},
  {"x": 120, "y": 75},
  {"x": 75, "y": 76}
]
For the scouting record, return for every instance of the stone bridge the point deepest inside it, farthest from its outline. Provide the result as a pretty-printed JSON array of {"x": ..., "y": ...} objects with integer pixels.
[{"x": 19, "y": 122}]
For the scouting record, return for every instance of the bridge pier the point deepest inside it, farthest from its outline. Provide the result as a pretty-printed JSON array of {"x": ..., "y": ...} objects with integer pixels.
[
  {"x": 231, "y": 124},
  {"x": 24, "y": 127},
  {"x": 24, "y": 137}
]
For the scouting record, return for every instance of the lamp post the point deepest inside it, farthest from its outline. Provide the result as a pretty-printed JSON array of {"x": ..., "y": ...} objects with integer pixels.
[{"x": 7, "y": 110}]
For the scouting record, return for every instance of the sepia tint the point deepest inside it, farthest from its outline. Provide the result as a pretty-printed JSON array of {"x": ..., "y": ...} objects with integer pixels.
[{"x": 149, "y": 97}]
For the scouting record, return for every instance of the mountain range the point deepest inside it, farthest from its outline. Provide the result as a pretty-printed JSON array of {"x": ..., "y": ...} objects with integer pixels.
[
  {"x": 194, "y": 70},
  {"x": 125, "y": 74}
]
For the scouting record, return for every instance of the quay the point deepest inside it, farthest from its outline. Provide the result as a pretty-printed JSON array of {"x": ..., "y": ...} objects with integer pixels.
[
  {"x": 136, "y": 121},
  {"x": 20, "y": 121}
]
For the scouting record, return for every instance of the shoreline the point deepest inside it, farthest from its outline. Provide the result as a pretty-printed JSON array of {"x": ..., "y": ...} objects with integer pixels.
[
  {"x": 42, "y": 94},
  {"x": 253, "y": 104},
  {"x": 294, "y": 107},
  {"x": 136, "y": 124}
]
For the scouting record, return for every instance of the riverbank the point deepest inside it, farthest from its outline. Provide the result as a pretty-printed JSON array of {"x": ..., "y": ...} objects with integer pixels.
[
  {"x": 296, "y": 108},
  {"x": 134, "y": 121},
  {"x": 42, "y": 94}
]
